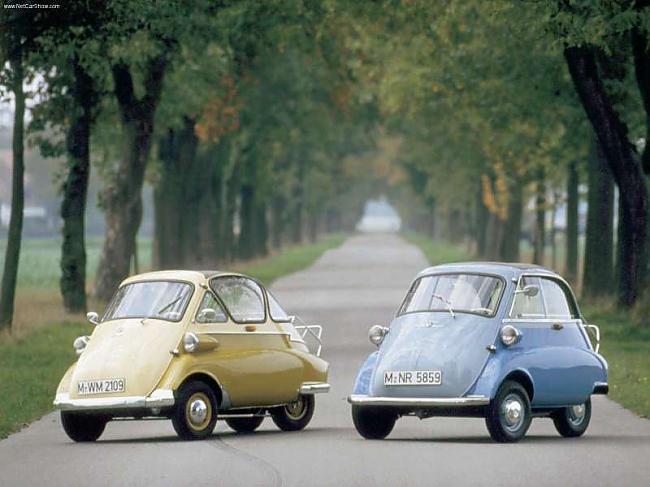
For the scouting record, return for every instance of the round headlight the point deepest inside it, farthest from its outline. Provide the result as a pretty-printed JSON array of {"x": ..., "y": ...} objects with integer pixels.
[
  {"x": 79, "y": 344},
  {"x": 510, "y": 335},
  {"x": 190, "y": 342},
  {"x": 376, "y": 334}
]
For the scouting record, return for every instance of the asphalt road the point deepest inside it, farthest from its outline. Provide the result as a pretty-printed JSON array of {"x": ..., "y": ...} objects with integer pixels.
[{"x": 347, "y": 290}]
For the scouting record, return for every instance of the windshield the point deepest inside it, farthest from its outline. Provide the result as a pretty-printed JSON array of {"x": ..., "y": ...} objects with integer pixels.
[
  {"x": 465, "y": 293},
  {"x": 165, "y": 300}
]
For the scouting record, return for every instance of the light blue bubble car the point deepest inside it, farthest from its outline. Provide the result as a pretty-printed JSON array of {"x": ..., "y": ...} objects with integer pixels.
[{"x": 502, "y": 341}]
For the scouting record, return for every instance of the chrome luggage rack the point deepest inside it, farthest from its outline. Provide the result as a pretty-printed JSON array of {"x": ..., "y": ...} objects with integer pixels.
[{"x": 315, "y": 331}]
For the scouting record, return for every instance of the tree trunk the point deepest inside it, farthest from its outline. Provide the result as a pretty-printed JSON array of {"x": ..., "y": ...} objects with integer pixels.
[
  {"x": 599, "y": 245},
  {"x": 278, "y": 206},
  {"x": 245, "y": 243},
  {"x": 627, "y": 171},
  {"x": 168, "y": 204},
  {"x": 122, "y": 198},
  {"x": 511, "y": 228},
  {"x": 571, "y": 236},
  {"x": 75, "y": 192},
  {"x": 481, "y": 224},
  {"x": 553, "y": 229},
  {"x": 12, "y": 252},
  {"x": 540, "y": 220}
]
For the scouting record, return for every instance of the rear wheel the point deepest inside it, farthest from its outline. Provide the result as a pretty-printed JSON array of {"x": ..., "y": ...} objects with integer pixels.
[
  {"x": 83, "y": 427},
  {"x": 373, "y": 423},
  {"x": 296, "y": 415},
  {"x": 195, "y": 413},
  {"x": 508, "y": 417},
  {"x": 245, "y": 425},
  {"x": 574, "y": 420}
]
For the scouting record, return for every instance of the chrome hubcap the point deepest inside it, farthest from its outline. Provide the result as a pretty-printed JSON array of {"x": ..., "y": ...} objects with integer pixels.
[
  {"x": 296, "y": 409},
  {"x": 512, "y": 412},
  {"x": 577, "y": 414},
  {"x": 198, "y": 411}
]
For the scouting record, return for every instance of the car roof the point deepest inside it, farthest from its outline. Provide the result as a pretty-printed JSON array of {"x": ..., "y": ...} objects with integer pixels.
[
  {"x": 196, "y": 277},
  {"x": 505, "y": 269}
]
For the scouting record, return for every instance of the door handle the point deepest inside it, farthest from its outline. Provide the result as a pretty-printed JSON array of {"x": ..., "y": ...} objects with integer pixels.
[
  {"x": 557, "y": 326},
  {"x": 250, "y": 328}
]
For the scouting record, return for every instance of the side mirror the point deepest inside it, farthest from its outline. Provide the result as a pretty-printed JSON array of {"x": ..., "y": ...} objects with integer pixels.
[
  {"x": 529, "y": 290},
  {"x": 93, "y": 317},
  {"x": 206, "y": 315}
]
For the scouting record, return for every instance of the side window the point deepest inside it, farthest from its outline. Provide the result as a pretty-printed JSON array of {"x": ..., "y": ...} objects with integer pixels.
[
  {"x": 242, "y": 297},
  {"x": 210, "y": 311},
  {"x": 277, "y": 313},
  {"x": 528, "y": 306},
  {"x": 557, "y": 304}
]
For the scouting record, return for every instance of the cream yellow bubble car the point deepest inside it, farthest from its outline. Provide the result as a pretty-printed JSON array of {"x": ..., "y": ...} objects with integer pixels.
[{"x": 192, "y": 347}]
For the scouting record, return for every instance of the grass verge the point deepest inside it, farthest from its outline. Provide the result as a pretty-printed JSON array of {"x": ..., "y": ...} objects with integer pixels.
[
  {"x": 624, "y": 344},
  {"x": 32, "y": 363}
]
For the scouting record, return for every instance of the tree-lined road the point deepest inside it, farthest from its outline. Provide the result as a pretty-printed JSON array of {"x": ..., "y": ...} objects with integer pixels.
[{"x": 350, "y": 288}]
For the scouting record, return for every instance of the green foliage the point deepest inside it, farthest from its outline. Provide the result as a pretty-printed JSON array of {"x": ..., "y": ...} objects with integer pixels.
[
  {"x": 30, "y": 369},
  {"x": 625, "y": 347},
  {"x": 39, "y": 267}
]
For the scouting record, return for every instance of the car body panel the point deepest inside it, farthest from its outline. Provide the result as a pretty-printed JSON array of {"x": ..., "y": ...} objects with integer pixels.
[
  {"x": 434, "y": 341},
  {"x": 555, "y": 356},
  {"x": 127, "y": 349},
  {"x": 266, "y": 363}
]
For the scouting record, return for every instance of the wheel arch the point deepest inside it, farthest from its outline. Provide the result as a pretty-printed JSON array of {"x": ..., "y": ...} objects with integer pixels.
[
  {"x": 208, "y": 379},
  {"x": 522, "y": 377}
]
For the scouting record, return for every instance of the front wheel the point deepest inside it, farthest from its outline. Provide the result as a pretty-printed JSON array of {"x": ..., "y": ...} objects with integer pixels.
[
  {"x": 245, "y": 425},
  {"x": 373, "y": 423},
  {"x": 573, "y": 421},
  {"x": 83, "y": 427},
  {"x": 508, "y": 417},
  {"x": 195, "y": 413},
  {"x": 296, "y": 415}
]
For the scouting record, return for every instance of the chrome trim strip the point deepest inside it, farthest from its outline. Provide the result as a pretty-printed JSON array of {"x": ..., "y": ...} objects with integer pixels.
[
  {"x": 363, "y": 400},
  {"x": 250, "y": 333},
  {"x": 158, "y": 398},
  {"x": 314, "y": 387}
]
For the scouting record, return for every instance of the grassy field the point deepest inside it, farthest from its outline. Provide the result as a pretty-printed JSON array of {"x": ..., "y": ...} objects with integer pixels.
[
  {"x": 33, "y": 362},
  {"x": 625, "y": 343}
]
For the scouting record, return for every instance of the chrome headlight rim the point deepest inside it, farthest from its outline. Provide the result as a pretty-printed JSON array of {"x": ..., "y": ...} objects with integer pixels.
[
  {"x": 509, "y": 335},
  {"x": 190, "y": 342},
  {"x": 80, "y": 343},
  {"x": 376, "y": 334}
]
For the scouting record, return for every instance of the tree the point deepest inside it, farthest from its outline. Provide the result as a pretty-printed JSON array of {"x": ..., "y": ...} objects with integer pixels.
[{"x": 14, "y": 48}]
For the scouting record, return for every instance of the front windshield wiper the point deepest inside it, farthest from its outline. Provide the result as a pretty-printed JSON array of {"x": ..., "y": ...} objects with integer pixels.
[
  {"x": 447, "y": 302},
  {"x": 164, "y": 308}
]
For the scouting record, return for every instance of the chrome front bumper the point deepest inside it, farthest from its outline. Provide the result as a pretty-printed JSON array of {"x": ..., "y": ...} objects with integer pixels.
[
  {"x": 469, "y": 401},
  {"x": 314, "y": 387},
  {"x": 158, "y": 399}
]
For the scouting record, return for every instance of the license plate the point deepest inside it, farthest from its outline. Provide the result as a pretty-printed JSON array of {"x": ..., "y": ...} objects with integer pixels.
[
  {"x": 102, "y": 386},
  {"x": 412, "y": 377}
]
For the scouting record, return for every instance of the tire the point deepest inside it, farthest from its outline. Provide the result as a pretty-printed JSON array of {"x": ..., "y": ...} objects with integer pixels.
[
  {"x": 509, "y": 417},
  {"x": 373, "y": 423},
  {"x": 195, "y": 412},
  {"x": 245, "y": 425},
  {"x": 573, "y": 421},
  {"x": 296, "y": 415},
  {"x": 83, "y": 427}
]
